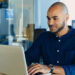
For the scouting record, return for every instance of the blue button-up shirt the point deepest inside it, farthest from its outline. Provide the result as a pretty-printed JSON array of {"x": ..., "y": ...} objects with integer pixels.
[{"x": 54, "y": 50}]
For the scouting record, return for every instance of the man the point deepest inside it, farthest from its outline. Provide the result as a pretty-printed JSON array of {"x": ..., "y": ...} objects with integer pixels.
[{"x": 56, "y": 47}]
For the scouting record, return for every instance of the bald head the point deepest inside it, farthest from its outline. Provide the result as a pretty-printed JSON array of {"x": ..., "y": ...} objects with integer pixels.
[
  {"x": 62, "y": 5},
  {"x": 57, "y": 16}
]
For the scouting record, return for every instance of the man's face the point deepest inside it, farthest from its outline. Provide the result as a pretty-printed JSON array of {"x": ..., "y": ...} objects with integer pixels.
[{"x": 56, "y": 19}]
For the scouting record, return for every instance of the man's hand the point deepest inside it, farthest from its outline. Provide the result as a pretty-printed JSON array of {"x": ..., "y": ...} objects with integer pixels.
[
  {"x": 33, "y": 69},
  {"x": 44, "y": 69}
]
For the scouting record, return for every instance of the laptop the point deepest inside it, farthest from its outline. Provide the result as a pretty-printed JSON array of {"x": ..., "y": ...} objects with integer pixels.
[{"x": 12, "y": 60}]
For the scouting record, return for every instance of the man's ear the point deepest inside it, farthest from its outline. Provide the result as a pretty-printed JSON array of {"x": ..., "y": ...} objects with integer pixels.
[{"x": 67, "y": 17}]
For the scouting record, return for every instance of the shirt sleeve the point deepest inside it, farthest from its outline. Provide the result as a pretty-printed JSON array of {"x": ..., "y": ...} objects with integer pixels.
[
  {"x": 69, "y": 69},
  {"x": 33, "y": 53}
]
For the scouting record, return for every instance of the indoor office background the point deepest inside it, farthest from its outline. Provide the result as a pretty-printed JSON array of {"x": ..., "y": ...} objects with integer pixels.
[{"x": 21, "y": 21}]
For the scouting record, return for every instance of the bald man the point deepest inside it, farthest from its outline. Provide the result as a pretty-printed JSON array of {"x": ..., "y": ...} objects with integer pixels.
[{"x": 56, "y": 47}]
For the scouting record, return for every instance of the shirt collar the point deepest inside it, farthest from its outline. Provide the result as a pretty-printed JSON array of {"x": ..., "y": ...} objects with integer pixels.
[{"x": 71, "y": 31}]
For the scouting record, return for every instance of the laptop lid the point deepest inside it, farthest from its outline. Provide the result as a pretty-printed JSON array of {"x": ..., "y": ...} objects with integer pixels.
[{"x": 12, "y": 60}]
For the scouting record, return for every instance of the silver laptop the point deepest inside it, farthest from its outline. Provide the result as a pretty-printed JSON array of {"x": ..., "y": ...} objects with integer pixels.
[{"x": 12, "y": 60}]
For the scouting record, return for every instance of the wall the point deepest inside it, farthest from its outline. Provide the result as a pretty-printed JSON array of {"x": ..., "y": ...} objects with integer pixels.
[
  {"x": 40, "y": 12},
  {"x": 71, "y": 6}
]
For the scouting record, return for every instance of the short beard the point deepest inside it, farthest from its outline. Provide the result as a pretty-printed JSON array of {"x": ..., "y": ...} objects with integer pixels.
[{"x": 63, "y": 25}]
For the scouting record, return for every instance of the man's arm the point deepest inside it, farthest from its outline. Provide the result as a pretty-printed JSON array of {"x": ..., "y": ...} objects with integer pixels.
[
  {"x": 69, "y": 69},
  {"x": 59, "y": 70},
  {"x": 33, "y": 53}
]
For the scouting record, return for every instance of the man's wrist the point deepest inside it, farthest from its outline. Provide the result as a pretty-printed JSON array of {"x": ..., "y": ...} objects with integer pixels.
[{"x": 51, "y": 68}]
